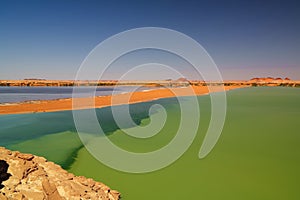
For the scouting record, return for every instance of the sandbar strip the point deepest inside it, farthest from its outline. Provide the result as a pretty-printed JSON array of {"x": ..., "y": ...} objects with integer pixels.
[{"x": 104, "y": 101}]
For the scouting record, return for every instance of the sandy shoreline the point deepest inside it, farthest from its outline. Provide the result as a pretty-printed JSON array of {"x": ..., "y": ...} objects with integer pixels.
[{"x": 103, "y": 101}]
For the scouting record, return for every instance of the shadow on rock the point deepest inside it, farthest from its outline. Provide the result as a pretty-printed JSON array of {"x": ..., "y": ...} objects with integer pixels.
[{"x": 3, "y": 172}]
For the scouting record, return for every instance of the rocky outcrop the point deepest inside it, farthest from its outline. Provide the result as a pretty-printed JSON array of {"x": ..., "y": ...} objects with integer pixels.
[
  {"x": 25, "y": 177},
  {"x": 268, "y": 80}
]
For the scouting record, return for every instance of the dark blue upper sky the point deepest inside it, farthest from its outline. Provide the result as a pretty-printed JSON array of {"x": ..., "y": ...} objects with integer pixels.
[{"x": 50, "y": 39}]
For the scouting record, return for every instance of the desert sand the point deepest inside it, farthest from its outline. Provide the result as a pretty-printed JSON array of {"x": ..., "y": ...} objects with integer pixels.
[{"x": 103, "y": 101}]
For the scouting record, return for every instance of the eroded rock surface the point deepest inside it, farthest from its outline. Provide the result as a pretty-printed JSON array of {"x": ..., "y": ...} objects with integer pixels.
[{"x": 25, "y": 176}]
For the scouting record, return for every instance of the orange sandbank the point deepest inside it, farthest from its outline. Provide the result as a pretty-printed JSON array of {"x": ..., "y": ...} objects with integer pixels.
[{"x": 103, "y": 101}]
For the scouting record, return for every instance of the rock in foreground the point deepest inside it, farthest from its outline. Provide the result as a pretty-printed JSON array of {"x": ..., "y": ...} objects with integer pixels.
[{"x": 32, "y": 177}]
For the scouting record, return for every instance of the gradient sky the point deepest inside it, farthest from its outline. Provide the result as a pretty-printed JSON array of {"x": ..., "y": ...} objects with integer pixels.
[{"x": 50, "y": 39}]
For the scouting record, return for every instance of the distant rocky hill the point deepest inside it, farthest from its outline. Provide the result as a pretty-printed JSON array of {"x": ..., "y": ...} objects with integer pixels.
[
  {"x": 270, "y": 80},
  {"x": 25, "y": 177}
]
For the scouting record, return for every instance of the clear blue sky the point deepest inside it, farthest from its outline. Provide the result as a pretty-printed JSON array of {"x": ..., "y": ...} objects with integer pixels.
[{"x": 50, "y": 39}]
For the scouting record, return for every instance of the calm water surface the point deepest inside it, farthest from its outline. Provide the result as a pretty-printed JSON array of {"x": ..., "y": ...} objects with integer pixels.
[
  {"x": 257, "y": 156},
  {"x": 20, "y": 94}
]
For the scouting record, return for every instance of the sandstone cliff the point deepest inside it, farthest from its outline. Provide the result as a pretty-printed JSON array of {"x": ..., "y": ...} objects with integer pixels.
[{"x": 25, "y": 176}]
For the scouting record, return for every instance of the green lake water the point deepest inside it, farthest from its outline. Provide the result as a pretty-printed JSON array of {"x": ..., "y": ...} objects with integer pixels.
[{"x": 256, "y": 157}]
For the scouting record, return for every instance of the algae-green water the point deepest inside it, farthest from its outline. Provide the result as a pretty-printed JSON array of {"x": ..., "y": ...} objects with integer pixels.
[{"x": 256, "y": 157}]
